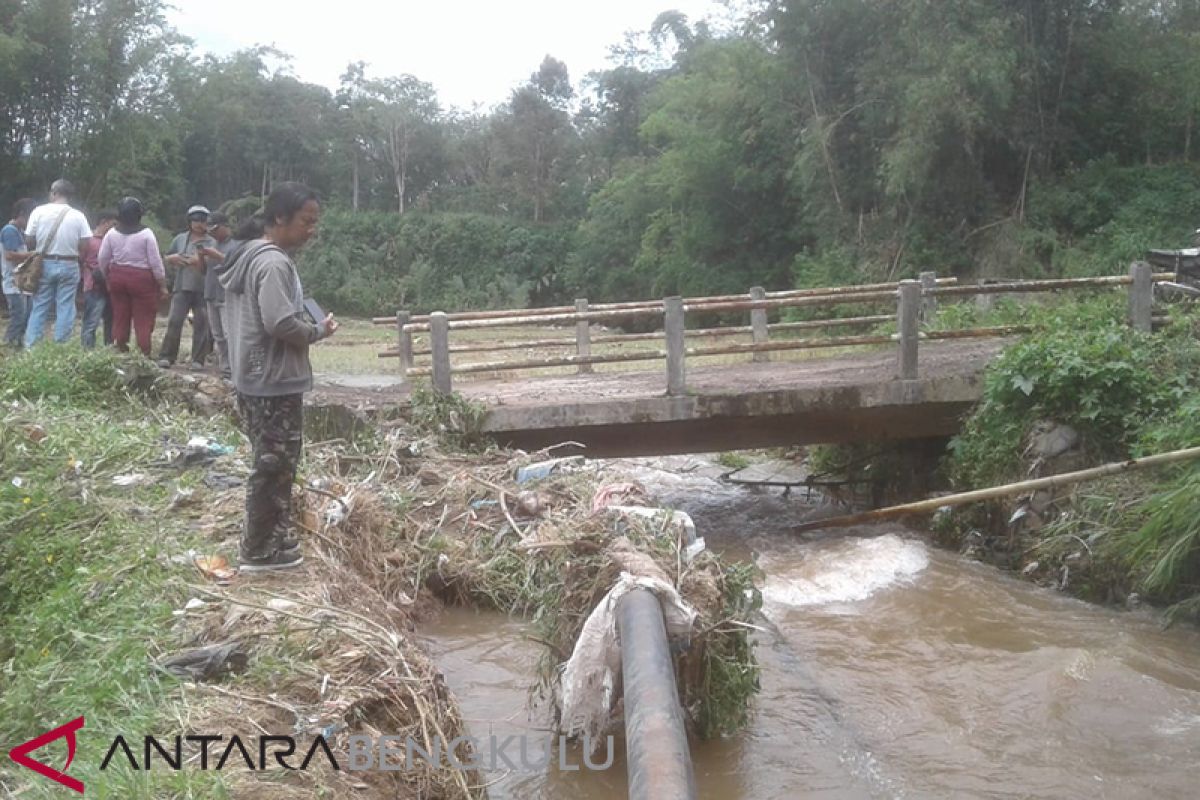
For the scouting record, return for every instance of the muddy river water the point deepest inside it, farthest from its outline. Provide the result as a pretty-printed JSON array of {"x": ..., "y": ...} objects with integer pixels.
[{"x": 890, "y": 669}]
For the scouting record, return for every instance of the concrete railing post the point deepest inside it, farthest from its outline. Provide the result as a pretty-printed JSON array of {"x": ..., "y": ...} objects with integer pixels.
[
  {"x": 1141, "y": 297},
  {"x": 583, "y": 336},
  {"x": 985, "y": 302},
  {"x": 439, "y": 334},
  {"x": 908, "y": 317},
  {"x": 928, "y": 301},
  {"x": 758, "y": 323},
  {"x": 405, "y": 343},
  {"x": 673, "y": 327}
]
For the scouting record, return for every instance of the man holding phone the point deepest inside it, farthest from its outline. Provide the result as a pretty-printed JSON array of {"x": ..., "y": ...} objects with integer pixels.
[{"x": 269, "y": 339}]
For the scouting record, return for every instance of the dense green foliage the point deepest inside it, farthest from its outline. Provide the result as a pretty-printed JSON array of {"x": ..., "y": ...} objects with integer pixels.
[
  {"x": 427, "y": 262},
  {"x": 1128, "y": 395},
  {"x": 88, "y": 588},
  {"x": 1083, "y": 368},
  {"x": 808, "y": 142}
]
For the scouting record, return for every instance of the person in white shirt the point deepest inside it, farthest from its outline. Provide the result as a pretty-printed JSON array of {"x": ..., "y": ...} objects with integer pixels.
[{"x": 60, "y": 268}]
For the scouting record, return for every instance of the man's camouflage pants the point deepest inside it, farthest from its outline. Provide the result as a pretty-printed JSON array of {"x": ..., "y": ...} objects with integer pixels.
[{"x": 275, "y": 426}]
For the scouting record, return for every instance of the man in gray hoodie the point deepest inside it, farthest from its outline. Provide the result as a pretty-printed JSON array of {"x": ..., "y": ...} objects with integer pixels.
[{"x": 268, "y": 337}]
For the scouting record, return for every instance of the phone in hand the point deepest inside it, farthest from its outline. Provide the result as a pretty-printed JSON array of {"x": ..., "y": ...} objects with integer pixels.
[{"x": 314, "y": 310}]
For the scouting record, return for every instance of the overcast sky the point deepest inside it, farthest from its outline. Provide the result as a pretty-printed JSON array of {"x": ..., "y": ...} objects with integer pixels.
[{"x": 472, "y": 51}]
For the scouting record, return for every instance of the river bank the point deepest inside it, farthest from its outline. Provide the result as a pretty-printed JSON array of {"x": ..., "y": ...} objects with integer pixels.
[{"x": 122, "y": 501}]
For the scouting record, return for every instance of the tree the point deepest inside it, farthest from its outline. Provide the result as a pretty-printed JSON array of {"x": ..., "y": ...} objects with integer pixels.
[
  {"x": 536, "y": 139},
  {"x": 398, "y": 123}
]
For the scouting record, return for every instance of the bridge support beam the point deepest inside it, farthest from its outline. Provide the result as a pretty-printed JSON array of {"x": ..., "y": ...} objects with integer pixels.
[
  {"x": 673, "y": 326},
  {"x": 909, "y": 318},
  {"x": 656, "y": 746}
]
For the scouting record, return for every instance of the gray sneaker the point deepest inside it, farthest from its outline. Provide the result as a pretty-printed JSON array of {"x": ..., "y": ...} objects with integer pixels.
[
  {"x": 278, "y": 560},
  {"x": 164, "y": 363}
]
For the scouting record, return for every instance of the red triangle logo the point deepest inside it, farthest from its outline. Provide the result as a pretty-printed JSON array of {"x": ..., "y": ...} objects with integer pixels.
[{"x": 20, "y": 755}]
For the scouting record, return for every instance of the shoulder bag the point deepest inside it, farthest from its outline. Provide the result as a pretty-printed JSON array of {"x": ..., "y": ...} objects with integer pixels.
[{"x": 28, "y": 273}]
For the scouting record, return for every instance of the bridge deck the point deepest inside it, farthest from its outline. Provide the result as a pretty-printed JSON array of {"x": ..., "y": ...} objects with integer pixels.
[
  {"x": 845, "y": 398},
  {"x": 940, "y": 359}
]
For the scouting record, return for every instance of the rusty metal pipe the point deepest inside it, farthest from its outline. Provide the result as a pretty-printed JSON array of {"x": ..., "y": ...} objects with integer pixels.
[{"x": 656, "y": 747}]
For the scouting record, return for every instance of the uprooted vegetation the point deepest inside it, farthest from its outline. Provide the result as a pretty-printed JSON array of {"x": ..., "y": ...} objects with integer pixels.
[{"x": 121, "y": 504}]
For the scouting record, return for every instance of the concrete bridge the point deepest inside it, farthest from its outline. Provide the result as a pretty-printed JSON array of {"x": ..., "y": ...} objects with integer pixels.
[
  {"x": 917, "y": 383},
  {"x": 739, "y": 406}
]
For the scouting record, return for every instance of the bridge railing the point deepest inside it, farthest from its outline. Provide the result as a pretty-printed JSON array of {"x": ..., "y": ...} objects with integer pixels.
[{"x": 914, "y": 301}]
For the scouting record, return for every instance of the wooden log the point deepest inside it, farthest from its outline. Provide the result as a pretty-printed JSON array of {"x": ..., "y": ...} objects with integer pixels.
[{"x": 997, "y": 492}]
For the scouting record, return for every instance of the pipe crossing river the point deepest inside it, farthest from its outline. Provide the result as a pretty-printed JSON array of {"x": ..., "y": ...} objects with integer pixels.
[
  {"x": 656, "y": 746},
  {"x": 890, "y": 669}
]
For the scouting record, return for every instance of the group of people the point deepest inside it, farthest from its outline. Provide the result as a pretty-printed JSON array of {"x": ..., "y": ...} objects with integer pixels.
[
  {"x": 114, "y": 271},
  {"x": 241, "y": 287}
]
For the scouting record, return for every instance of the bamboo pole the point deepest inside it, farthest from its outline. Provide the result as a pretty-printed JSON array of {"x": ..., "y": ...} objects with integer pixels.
[
  {"x": 732, "y": 349},
  {"x": 794, "y": 344},
  {"x": 650, "y": 355},
  {"x": 650, "y": 304},
  {"x": 945, "y": 287},
  {"x": 701, "y": 333},
  {"x": 740, "y": 305},
  {"x": 978, "y": 333},
  {"x": 796, "y": 302},
  {"x": 1037, "y": 286},
  {"x": 995, "y": 492},
  {"x": 538, "y": 363},
  {"x": 831, "y": 297}
]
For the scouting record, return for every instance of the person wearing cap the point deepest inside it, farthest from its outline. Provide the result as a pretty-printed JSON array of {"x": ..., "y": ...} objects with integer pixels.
[
  {"x": 186, "y": 254},
  {"x": 60, "y": 266}
]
